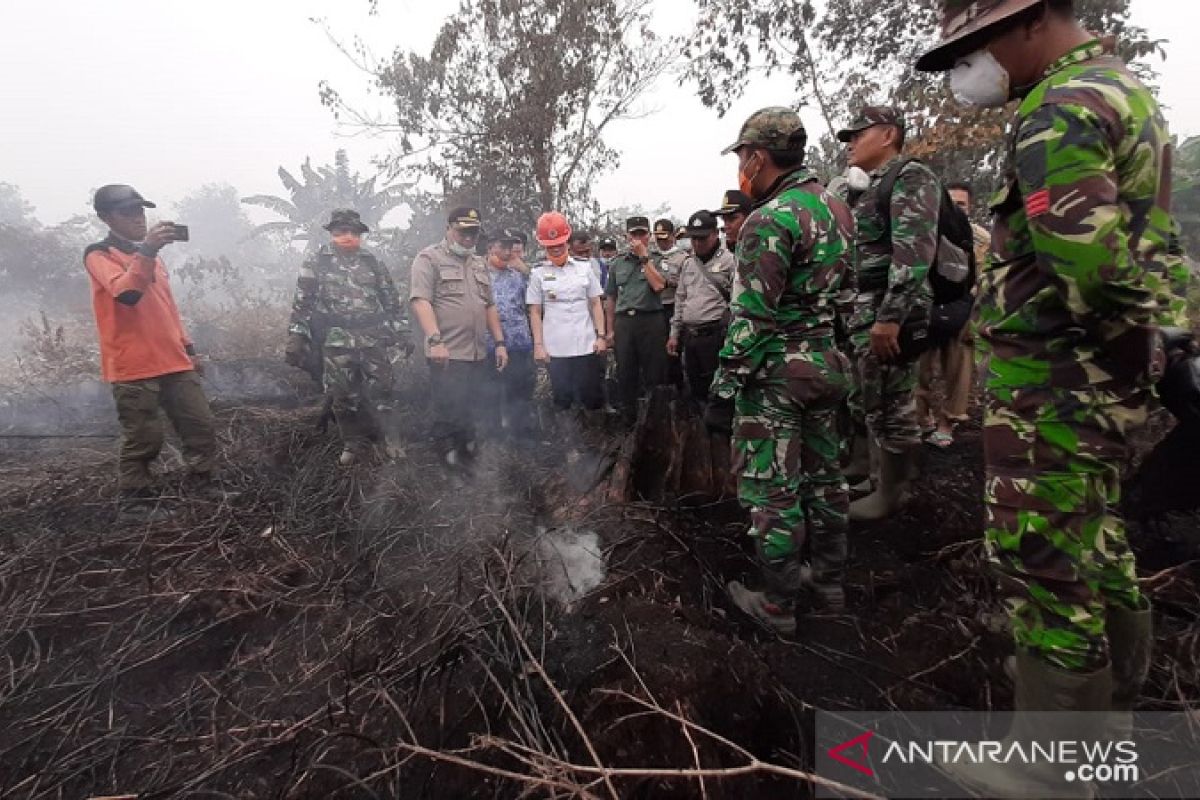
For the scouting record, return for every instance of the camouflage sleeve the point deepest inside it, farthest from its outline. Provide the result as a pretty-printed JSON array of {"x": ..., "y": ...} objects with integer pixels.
[
  {"x": 1067, "y": 175},
  {"x": 389, "y": 300},
  {"x": 304, "y": 305},
  {"x": 1178, "y": 292},
  {"x": 764, "y": 253},
  {"x": 915, "y": 201}
]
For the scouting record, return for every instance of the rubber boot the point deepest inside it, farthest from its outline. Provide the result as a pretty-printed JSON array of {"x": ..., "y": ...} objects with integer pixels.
[
  {"x": 889, "y": 495},
  {"x": 859, "y": 467},
  {"x": 1131, "y": 643},
  {"x": 1041, "y": 688}
]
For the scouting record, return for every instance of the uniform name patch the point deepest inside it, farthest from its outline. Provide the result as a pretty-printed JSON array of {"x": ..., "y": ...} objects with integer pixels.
[{"x": 1037, "y": 203}]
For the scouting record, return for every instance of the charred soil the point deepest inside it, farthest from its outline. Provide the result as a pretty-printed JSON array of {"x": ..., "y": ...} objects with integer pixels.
[{"x": 399, "y": 631}]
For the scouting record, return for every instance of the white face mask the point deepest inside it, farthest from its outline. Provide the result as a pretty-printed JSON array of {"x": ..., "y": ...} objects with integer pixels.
[
  {"x": 857, "y": 179},
  {"x": 980, "y": 80}
]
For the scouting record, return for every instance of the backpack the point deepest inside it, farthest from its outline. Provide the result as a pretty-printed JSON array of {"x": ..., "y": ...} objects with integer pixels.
[{"x": 953, "y": 271}]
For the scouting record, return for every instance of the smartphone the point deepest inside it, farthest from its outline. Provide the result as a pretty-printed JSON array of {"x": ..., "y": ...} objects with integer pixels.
[{"x": 181, "y": 233}]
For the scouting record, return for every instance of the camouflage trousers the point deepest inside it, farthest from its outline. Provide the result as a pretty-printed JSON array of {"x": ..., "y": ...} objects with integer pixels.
[
  {"x": 883, "y": 400},
  {"x": 787, "y": 447},
  {"x": 883, "y": 397},
  {"x": 1052, "y": 528},
  {"x": 359, "y": 382}
]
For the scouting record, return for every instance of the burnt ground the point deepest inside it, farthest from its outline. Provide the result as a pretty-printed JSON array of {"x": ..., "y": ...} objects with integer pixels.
[{"x": 393, "y": 631}]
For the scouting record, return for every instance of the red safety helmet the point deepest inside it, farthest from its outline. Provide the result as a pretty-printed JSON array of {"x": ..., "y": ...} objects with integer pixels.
[{"x": 553, "y": 229}]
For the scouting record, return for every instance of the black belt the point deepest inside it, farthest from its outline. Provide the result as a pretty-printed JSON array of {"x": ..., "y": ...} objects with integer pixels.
[
  {"x": 633, "y": 312},
  {"x": 704, "y": 328}
]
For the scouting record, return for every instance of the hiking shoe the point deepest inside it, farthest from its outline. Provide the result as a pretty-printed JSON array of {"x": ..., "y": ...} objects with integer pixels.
[
  {"x": 140, "y": 507},
  {"x": 777, "y": 613}
]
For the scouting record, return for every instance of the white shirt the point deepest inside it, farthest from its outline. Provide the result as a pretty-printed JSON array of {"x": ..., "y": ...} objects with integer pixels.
[{"x": 564, "y": 293}]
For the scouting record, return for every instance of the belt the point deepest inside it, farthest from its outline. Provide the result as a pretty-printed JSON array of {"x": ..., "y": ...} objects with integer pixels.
[
  {"x": 633, "y": 312},
  {"x": 704, "y": 328}
]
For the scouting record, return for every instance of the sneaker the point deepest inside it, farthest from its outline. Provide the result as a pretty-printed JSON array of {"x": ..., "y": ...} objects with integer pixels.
[{"x": 777, "y": 613}]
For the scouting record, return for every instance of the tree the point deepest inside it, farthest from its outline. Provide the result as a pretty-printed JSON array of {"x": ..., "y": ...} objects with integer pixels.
[
  {"x": 509, "y": 108},
  {"x": 14, "y": 209},
  {"x": 322, "y": 190},
  {"x": 848, "y": 52},
  {"x": 1185, "y": 196}
]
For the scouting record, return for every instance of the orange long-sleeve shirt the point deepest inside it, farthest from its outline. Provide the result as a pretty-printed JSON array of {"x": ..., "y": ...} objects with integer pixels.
[{"x": 141, "y": 334}]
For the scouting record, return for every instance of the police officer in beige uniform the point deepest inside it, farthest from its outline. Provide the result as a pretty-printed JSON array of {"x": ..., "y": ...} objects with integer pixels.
[
  {"x": 451, "y": 298},
  {"x": 702, "y": 304},
  {"x": 669, "y": 258}
]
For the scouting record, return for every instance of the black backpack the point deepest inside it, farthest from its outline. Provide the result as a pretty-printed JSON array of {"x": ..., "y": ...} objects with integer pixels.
[{"x": 953, "y": 271}]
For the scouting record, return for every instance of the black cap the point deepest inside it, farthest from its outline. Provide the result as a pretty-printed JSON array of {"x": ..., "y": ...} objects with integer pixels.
[
  {"x": 634, "y": 224},
  {"x": 701, "y": 223},
  {"x": 507, "y": 236},
  {"x": 116, "y": 195},
  {"x": 663, "y": 228},
  {"x": 608, "y": 243},
  {"x": 734, "y": 202},
  {"x": 346, "y": 218},
  {"x": 463, "y": 217}
]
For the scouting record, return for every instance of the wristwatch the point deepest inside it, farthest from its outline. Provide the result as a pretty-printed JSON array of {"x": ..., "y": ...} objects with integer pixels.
[{"x": 435, "y": 340}]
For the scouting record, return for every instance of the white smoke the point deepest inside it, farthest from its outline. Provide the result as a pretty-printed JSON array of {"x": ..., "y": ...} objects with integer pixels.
[{"x": 571, "y": 563}]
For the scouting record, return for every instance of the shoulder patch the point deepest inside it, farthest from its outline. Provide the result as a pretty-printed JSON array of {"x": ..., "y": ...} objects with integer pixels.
[{"x": 1037, "y": 203}]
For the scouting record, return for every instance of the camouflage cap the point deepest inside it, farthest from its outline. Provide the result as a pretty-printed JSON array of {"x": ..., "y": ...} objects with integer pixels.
[
  {"x": 734, "y": 202},
  {"x": 965, "y": 25},
  {"x": 869, "y": 117},
  {"x": 775, "y": 128},
  {"x": 346, "y": 218}
]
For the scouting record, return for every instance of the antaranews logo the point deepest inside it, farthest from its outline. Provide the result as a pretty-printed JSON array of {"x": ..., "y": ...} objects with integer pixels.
[{"x": 1084, "y": 761}]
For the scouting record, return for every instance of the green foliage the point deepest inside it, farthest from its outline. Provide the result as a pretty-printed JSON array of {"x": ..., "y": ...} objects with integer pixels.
[
  {"x": 844, "y": 53},
  {"x": 320, "y": 191},
  {"x": 1185, "y": 198}
]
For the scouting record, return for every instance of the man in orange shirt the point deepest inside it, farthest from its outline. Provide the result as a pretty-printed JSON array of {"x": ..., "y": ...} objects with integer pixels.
[{"x": 144, "y": 352}]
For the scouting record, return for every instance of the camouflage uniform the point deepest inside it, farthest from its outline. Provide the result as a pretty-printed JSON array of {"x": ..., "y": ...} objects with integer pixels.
[
  {"x": 890, "y": 271},
  {"x": 1069, "y": 347},
  {"x": 789, "y": 379},
  {"x": 347, "y": 305}
]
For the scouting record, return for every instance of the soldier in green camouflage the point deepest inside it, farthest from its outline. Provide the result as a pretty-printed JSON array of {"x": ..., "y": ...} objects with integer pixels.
[
  {"x": 345, "y": 316},
  {"x": 783, "y": 370},
  {"x": 896, "y": 243},
  {"x": 1070, "y": 350}
]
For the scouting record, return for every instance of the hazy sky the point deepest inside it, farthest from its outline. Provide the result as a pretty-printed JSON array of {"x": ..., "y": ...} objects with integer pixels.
[{"x": 171, "y": 95}]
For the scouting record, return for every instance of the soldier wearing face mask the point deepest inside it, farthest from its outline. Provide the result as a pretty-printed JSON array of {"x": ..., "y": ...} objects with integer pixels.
[
  {"x": 1067, "y": 323},
  {"x": 345, "y": 315}
]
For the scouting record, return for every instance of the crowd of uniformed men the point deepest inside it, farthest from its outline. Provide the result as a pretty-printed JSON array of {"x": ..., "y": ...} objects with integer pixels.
[{"x": 812, "y": 331}]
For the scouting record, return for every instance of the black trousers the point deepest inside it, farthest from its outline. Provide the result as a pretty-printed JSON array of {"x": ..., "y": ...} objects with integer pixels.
[
  {"x": 674, "y": 374},
  {"x": 641, "y": 356},
  {"x": 455, "y": 395},
  {"x": 701, "y": 356},
  {"x": 579, "y": 379},
  {"x": 508, "y": 407}
]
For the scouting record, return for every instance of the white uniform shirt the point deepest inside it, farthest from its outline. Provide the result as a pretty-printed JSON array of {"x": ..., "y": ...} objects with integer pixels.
[{"x": 565, "y": 293}]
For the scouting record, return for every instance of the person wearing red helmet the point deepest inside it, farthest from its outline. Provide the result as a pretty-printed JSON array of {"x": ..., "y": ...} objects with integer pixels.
[{"x": 567, "y": 317}]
